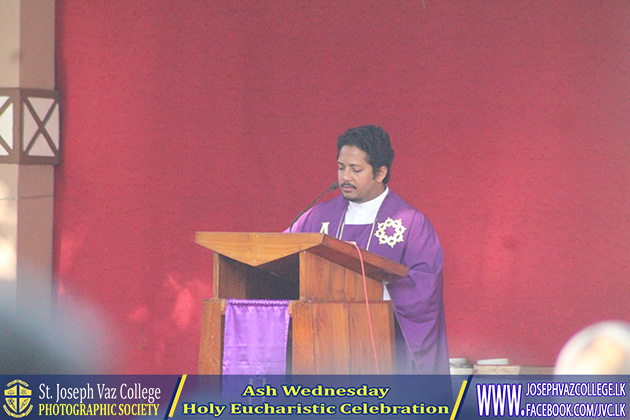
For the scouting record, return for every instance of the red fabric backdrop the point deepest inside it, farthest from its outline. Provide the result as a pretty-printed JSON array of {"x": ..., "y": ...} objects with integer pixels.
[{"x": 510, "y": 121}]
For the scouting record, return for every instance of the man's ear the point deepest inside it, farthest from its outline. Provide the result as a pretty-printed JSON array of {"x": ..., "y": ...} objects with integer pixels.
[{"x": 381, "y": 173}]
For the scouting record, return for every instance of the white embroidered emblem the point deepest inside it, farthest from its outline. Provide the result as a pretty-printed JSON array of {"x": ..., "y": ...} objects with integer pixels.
[
  {"x": 392, "y": 240},
  {"x": 324, "y": 228}
]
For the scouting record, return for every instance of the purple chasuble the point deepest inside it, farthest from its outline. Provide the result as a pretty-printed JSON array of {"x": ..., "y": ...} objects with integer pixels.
[{"x": 402, "y": 234}]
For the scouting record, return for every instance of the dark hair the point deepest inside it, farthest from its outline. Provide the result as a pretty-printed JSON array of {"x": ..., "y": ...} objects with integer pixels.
[{"x": 374, "y": 141}]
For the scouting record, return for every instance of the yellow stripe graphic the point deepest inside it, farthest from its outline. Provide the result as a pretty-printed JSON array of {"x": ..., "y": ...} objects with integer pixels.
[
  {"x": 179, "y": 391},
  {"x": 459, "y": 400}
]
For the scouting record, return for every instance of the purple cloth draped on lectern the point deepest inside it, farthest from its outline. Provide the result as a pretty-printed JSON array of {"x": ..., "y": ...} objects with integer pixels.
[{"x": 255, "y": 340}]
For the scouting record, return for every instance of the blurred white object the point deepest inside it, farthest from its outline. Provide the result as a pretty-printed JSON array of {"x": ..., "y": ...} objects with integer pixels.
[
  {"x": 44, "y": 342},
  {"x": 501, "y": 361},
  {"x": 600, "y": 349}
]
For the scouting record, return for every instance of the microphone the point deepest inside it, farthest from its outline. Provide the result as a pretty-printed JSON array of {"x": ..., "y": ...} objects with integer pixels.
[{"x": 332, "y": 187}]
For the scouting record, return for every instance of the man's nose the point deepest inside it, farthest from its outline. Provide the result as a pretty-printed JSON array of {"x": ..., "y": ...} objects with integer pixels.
[{"x": 345, "y": 176}]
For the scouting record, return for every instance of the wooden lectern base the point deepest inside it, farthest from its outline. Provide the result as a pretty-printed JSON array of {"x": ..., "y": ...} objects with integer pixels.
[{"x": 325, "y": 338}]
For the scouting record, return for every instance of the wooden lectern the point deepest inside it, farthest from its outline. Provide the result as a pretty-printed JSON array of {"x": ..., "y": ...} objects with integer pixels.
[{"x": 321, "y": 276}]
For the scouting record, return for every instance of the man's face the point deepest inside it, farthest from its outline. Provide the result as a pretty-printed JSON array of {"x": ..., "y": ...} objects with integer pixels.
[{"x": 356, "y": 177}]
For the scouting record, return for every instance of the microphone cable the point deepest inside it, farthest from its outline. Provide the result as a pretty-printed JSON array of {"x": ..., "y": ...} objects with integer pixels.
[{"x": 367, "y": 307}]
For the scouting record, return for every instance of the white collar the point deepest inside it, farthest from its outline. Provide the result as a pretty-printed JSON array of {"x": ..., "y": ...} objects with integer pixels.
[{"x": 364, "y": 213}]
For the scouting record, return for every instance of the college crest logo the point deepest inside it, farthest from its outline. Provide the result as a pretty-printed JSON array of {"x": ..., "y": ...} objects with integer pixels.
[
  {"x": 18, "y": 399},
  {"x": 391, "y": 240}
]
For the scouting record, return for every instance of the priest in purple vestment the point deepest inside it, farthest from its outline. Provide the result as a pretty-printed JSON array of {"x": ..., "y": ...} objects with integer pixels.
[{"x": 379, "y": 220}]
